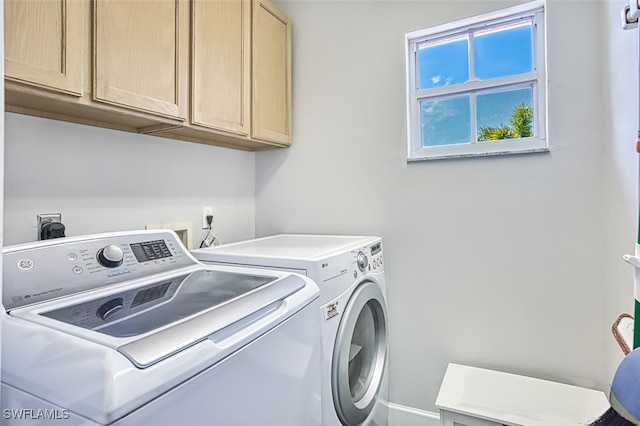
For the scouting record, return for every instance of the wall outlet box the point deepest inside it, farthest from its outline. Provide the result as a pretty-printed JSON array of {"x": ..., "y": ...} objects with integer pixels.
[
  {"x": 182, "y": 229},
  {"x": 206, "y": 211},
  {"x": 45, "y": 218}
]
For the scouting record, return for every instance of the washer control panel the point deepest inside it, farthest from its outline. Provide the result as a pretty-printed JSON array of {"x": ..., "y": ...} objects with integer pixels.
[
  {"x": 110, "y": 256},
  {"x": 50, "y": 269}
]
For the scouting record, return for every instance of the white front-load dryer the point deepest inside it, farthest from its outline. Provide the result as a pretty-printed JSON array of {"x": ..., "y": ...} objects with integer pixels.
[{"x": 349, "y": 271}]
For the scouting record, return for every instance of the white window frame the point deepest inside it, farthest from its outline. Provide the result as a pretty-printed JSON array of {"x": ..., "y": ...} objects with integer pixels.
[{"x": 535, "y": 79}]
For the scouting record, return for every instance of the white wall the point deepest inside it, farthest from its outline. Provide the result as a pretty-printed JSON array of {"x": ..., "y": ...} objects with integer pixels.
[
  {"x": 492, "y": 262},
  {"x": 103, "y": 180},
  {"x": 620, "y": 100}
]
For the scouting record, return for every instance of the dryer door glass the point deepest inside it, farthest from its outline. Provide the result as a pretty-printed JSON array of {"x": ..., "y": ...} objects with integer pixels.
[{"x": 360, "y": 354}]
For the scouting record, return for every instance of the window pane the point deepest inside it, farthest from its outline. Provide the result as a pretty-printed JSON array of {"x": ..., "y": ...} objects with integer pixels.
[
  {"x": 446, "y": 121},
  {"x": 505, "y": 115},
  {"x": 443, "y": 62},
  {"x": 503, "y": 51}
]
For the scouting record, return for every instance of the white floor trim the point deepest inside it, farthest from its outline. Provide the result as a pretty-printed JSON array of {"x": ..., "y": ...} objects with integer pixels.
[{"x": 401, "y": 415}]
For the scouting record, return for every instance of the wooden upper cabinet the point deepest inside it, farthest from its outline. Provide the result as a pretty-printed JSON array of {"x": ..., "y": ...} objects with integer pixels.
[
  {"x": 220, "y": 55},
  {"x": 140, "y": 53},
  {"x": 44, "y": 44},
  {"x": 208, "y": 71},
  {"x": 271, "y": 74}
]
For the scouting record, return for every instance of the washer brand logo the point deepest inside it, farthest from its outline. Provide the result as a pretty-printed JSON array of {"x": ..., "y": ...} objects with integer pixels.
[
  {"x": 331, "y": 311},
  {"x": 25, "y": 264}
]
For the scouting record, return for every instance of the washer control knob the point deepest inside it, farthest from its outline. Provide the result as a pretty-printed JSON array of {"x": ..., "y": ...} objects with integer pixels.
[
  {"x": 111, "y": 256},
  {"x": 362, "y": 261},
  {"x": 110, "y": 308}
]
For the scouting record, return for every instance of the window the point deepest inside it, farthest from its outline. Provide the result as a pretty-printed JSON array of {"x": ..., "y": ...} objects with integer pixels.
[{"x": 476, "y": 87}]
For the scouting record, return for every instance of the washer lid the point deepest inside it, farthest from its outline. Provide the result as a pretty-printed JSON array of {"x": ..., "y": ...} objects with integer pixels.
[
  {"x": 151, "y": 322},
  {"x": 267, "y": 298}
]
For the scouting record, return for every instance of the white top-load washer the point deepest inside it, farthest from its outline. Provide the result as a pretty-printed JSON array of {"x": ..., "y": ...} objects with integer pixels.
[
  {"x": 129, "y": 329},
  {"x": 350, "y": 273}
]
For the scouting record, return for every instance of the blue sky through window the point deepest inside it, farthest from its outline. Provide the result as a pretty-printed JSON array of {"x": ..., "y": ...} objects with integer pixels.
[
  {"x": 499, "y": 51},
  {"x": 446, "y": 121},
  {"x": 443, "y": 63},
  {"x": 503, "y": 53}
]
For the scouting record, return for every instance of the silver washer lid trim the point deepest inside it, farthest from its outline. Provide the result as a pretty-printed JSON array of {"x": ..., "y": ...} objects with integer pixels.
[{"x": 151, "y": 349}]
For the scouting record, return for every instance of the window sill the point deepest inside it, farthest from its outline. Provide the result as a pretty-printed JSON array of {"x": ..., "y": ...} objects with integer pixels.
[{"x": 480, "y": 149}]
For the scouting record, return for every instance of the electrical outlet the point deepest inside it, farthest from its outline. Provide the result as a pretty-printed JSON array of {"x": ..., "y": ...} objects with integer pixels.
[{"x": 206, "y": 211}]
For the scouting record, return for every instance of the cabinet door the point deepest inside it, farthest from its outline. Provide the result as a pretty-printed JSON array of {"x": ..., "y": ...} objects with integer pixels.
[
  {"x": 140, "y": 54},
  {"x": 43, "y": 43},
  {"x": 271, "y": 74},
  {"x": 220, "y": 55}
]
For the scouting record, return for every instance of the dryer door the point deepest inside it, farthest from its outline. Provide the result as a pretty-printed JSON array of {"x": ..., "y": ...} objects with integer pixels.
[{"x": 359, "y": 354}]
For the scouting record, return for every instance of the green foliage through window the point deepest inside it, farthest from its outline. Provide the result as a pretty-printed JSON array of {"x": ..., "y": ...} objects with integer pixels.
[{"x": 520, "y": 126}]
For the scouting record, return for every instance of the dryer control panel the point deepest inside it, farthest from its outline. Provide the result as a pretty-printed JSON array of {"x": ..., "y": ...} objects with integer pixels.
[
  {"x": 369, "y": 258},
  {"x": 49, "y": 269}
]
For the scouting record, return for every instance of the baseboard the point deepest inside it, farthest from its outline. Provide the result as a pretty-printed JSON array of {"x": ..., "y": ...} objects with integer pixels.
[{"x": 401, "y": 415}]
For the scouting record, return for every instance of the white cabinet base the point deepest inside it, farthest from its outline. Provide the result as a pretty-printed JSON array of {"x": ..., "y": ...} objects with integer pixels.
[{"x": 472, "y": 396}]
